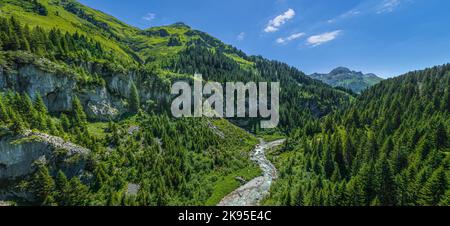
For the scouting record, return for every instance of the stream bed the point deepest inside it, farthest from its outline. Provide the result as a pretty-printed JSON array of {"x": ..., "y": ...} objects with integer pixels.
[{"x": 251, "y": 193}]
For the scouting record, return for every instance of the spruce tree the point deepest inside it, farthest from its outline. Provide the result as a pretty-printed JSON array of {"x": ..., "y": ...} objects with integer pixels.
[
  {"x": 434, "y": 190},
  {"x": 43, "y": 185},
  {"x": 78, "y": 193},
  {"x": 134, "y": 104},
  {"x": 3, "y": 114},
  {"x": 440, "y": 136},
  {"x": 80, "y": 118},
  {"x": 65, "y": 122},
  {"x": 385, "y": 178},
  {"x": 39, "y": 105},
  {"x": 18, "y": 126},
  {"x": 445, "y": 104},
  {"x": 61, "y": 185}
]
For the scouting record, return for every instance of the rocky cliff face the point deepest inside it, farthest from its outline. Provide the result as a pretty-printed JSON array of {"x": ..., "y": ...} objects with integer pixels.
[
  {"x": 18, "y": 154},
  {"x": 58, "y": 90}
]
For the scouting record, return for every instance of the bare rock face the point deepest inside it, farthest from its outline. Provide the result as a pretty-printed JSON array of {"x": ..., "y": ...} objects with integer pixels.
[
  {"x": 133, "y": 189},
  {"x": 98, "y": 104},
  {"x": 58, "y": 90},
  {"x": 19, "y": 153}
]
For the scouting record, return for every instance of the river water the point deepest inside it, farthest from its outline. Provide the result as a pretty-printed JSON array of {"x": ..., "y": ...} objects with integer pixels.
[{"x": 251, "y": 193}]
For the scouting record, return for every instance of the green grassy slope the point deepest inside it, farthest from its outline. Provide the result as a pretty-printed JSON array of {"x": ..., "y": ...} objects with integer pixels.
[
  {"x": 177, "y": 51},
  {"x": 195, "y": 166},
  {"x": 130, "y": 43},
  {"x": 58, "y": 17}
]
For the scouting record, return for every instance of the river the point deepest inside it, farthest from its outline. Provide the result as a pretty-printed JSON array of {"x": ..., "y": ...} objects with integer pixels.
[{"x": 251, "y": 193}]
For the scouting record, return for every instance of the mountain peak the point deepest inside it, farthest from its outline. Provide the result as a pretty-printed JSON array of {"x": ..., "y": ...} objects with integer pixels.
[
  {"x": 340, "y": 70},
  {"x": 180, "y": 24},
  {"x": 344, "y": 77}
]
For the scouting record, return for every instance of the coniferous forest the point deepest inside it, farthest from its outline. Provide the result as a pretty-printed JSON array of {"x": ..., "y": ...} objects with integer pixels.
[
  {"x": 85, "y": 120},
  {"x": 391, "y": 147}
]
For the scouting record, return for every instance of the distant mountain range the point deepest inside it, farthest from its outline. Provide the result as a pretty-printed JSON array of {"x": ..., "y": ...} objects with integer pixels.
[{"x": 344, "y": 77}]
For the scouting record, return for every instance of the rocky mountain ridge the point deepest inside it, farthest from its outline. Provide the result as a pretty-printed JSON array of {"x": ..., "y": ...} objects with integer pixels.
[{"x": 344, "y": 77}]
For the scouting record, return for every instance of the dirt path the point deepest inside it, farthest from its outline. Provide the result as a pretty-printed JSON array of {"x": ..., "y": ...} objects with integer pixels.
[{"x": 251, "y": 193}]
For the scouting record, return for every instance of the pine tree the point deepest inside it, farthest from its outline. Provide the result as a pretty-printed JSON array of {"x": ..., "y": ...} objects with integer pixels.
[
  {"x": 39, "y": 8},
  {"x": 65, "y": 122},
  {"x": 39, "y": 105},
  {"x": 26, "y": 107},
  {"x": 440, "y": 136},
  {"x": 445, "y": 104},
  {"x": 287, "y": 197},
  {"x": 385, "y": 178},
  {"x": 18, "y": 126},
  {"x": 78, "y": 193},
  {"x": 375, "y": 202},
  {"x": 355, "y": 192},
  {"x": 134, "y": 99},
  {"x": 51, "y": 126},
  {"x": 328, "y": 163},
  {"x": 14, "y": 42},
  {"x": 446, "y": 200},
  {"x": 298, "y": 198},
  {"x": 174, "y": 41},
  {"x": 3, "y": 114},
  {"x": 372, "y": 148},
  {"x": 434, "y": 190},
  {"x": 43, "y": 185},
  {"x": 62, "y": 187},
  {"x": 80, "y": 117}
]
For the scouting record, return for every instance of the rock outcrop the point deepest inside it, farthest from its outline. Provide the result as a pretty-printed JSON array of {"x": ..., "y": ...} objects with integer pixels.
[
  {"x": 18, "y": 154},
  {"x": 58, "y": 90},
  {"x": 101, "y": 102}
]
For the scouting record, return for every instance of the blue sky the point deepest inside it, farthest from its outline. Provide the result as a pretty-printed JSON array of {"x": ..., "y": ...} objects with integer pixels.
[{"x": 386, "y": 37}]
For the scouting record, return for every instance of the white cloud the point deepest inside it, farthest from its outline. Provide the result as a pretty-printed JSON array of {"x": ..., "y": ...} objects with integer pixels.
[
  {"x": 388, "y": 6},
  {"x": 290, "y": 38},
  {"x": 370, "y": 6},
  {"x": 353, "y": 12},
  {"x": 331, "y": 21},
  {"x": 241, "y": 36},
  {"x": 149, "y": 17},
  {"x": 279, "y": 20},
  {"x": 320, "y": 39},
  {"x": 348, "y": 14}
]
